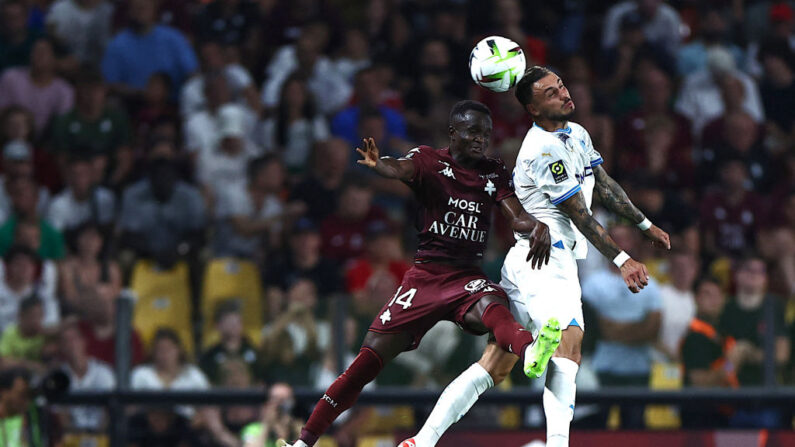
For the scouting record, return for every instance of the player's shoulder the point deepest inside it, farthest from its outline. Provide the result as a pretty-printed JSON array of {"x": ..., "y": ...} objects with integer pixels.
[
  {"x": 539, "y": 143},
  {"x": 578, "y": 131},
  {"x": 420, "y": 151}
]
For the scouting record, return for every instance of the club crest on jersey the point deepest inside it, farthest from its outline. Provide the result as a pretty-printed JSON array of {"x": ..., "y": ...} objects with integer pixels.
[
  {"x": 476, "y": 285},
  {"x": 490, "y": 187},
  {"x": 447, "y": 170},
  {"x": 558, "y": 171}
]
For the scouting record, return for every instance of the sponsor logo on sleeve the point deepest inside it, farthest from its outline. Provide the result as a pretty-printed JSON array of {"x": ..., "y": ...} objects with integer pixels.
[{"x": 558, "y": 171}]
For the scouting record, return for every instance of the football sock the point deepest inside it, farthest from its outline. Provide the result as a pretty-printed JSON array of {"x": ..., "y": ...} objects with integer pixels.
[
  {"x": 342, "y": 394},
  {"x": 454, "y": 403},
  {"x": 510, "y": 335},
  {"x": 559, "y": 394}
]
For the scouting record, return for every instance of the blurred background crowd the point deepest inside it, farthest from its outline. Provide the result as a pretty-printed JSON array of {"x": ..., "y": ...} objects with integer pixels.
[{"x": 201, "y": 153}]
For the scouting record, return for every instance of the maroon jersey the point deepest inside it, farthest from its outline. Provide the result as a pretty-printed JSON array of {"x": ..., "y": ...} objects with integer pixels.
[{"x": 456, "y": 203}]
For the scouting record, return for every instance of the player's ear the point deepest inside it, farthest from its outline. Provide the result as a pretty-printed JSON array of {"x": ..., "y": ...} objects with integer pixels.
[
  {"x": 450, "y": 130},
  {"x": 531, "y": 109}
]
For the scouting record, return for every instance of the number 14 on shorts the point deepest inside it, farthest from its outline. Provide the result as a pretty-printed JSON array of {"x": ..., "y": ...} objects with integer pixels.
[{"x": 403, "y": 299}]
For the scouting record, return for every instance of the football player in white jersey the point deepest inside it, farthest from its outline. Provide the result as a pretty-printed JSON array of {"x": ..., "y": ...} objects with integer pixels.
[{"x": 557, "y": 172}]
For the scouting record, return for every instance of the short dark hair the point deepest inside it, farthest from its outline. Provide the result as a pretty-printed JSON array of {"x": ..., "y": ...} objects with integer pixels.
[
  {"x": 226, "y": 307},
  {"x": 524, "y": 89},
  {"x": 28, "y": 303},
  {"x": 462, "y": 107},
  {"x": 10, "y": 375},
  {"x": 706, "y": 279},
  {"x": 20, "y": 250},
  {"x": 257, "y": 164}
]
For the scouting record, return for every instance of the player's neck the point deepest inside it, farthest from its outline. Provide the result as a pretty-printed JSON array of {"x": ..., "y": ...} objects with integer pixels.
[
  {"x": 463, "y": 160},
  {"x": 552, "y": 125}
]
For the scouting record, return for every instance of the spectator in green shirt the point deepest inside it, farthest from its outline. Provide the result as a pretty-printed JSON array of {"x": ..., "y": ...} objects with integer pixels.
[
  {"x": 26, "y": 226},
  {"x": 21, "y": 343},
  {"x": 94, "y": 130}
]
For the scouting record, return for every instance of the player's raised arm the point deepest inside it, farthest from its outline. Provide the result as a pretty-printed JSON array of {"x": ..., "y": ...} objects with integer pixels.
[
  {"x": 614, "y": 198},
  {"x": 537, "y": 231},
  {"x": 634, "y": 273},
  {"x": 385, "y": 166}
]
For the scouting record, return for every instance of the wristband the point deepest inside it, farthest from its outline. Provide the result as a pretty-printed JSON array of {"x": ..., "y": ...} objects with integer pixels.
[
  {"x": 645, "y": 225},
  {"x": 620, "y": 259}
]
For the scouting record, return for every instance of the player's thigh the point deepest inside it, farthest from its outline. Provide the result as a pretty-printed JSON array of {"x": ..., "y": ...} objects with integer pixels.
[
  {"x": 497, "y": 362},
  {"x": 388, "y": 346},
  {"x": 571, "y": 344}
]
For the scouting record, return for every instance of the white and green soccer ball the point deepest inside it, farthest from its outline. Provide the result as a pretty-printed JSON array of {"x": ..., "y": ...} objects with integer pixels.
[{"x": 496, "y": 63}]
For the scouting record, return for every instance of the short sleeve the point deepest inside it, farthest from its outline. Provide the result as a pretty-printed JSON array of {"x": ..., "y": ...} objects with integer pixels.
[
  {"x": 419, "y": 156},
  {"x": 504, "y": 184},
  {"x": 554, "y": 175},
  {"x": 593, "y": 155}
]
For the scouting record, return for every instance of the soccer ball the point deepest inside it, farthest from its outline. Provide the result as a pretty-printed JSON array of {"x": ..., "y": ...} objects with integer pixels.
[{"x": 496, "y": 63}]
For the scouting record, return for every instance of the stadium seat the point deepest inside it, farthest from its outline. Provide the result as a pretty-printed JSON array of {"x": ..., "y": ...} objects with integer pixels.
[
  {"x": 229, "y": 278},
  {"x": 664, "y": 376},
  {"x": 163, "y": 300}
]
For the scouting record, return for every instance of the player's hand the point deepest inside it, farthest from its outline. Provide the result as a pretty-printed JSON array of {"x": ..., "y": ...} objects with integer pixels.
[
  {"x": 369, "y": 154},
  {"x": 635, "y": 275},
  {"x": 659, "y": 238},
  {"x": 540, "y": 245}
]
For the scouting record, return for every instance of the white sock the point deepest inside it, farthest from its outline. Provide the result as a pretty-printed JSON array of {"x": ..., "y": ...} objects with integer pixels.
[
  {"x": 454, "y": 403},
  {"x": 559, "y": 394}
]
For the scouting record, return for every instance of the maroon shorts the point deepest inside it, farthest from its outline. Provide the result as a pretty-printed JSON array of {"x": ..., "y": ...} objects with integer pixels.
[{"x": 430, "y": 293}]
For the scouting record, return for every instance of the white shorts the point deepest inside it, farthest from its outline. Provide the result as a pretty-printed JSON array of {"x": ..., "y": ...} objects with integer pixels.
[{"x": 538, "y": 295}]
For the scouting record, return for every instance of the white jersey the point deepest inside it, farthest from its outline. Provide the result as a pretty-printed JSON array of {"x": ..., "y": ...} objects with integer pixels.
[{"x": 552, "y": 167}]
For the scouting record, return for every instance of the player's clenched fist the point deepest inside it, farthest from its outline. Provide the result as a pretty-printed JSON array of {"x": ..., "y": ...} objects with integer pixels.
[{"x": 635, "y": 275}]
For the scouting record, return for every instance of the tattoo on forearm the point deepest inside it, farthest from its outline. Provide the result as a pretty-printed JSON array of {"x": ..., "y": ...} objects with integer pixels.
[
  {"x": 613, "y": 197},
  {"x": 577, "y": 211}
]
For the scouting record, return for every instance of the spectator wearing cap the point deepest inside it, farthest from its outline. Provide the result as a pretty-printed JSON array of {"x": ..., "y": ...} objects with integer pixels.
[
  {"x": 305, "y": 57},
  {"x": 23, "y": 276},
  {"x": 83, "y": 26},
  {"x": 251, "y": 216},
  {"x": 373, "y": 278},
  {"x": 344, "y": 231},
  {"x": 233, "y": 345},
  {"x": 93, "y": 129},
  {"x": 224, "y": 164},
  {"x": 162, "y": 217},
  {"x": 27, "y": 226},
  {"x": 781, "y": 27},
  {"x": 708, "y": 93},
  {"x": 83, "y": 200},
  {"x": 303, "y": 260},
  {"x": 21, "y": 343},
  {"x": 146, "y": 47},
  {"x": 18, "y": 164},
  {"x": 16, "y": 38},
  {"x": 38, "y": 88},
  {"x": 319, "y": 189}
]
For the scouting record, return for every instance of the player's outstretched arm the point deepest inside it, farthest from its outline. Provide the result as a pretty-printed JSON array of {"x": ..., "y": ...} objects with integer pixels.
[
  {"x": 386, "y": 167},
  {"x": 634, "y": 273},
  {"x": 614, "y": 198},
  {"x": 537, "y": 231}
]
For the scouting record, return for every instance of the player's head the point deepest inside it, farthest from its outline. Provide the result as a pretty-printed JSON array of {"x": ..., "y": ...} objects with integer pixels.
[
  {"x": 470, "y": 129},
  {"x": 544, "y": 96}
]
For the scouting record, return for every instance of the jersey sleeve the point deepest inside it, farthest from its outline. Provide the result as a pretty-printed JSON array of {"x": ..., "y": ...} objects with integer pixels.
[
  {"x": 593, "y": 155},
  {"x": 554, "y": 174},
  {"x": 504, "y": 183},
  {"x": 421, "y": 157}
]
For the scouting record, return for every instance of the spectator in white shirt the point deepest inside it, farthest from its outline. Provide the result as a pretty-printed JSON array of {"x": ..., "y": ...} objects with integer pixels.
[
  {"x": 83, "y": 25},
  {"x": 214, "y": 62},
  {"x": 328, "y": 85},
  {"x": 82, "y": 200},
  {"x": 678, "y": 304},
  {"x": 18, "y": 280},
  {"x": 702, "y": 97},
  {"x": 296, "y": 126},
  {"x": 18, "y": 163},
  {"x": 86, "y": 374},
  {"x": 169, "y": 369}
]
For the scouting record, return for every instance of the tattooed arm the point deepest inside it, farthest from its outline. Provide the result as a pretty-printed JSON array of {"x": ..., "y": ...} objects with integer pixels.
[
  {"x": 612, "y": 196},
  {"x": 634, "y": 273}
]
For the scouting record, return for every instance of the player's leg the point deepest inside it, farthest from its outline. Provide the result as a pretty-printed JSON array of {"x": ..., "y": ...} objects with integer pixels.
[
  {"x": 377, "y": 350},
  {"x": 560, "y": 389}
]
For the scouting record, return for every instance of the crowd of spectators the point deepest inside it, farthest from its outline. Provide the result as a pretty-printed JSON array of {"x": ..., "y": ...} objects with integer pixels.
[{"x": 175, "y": 133}]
